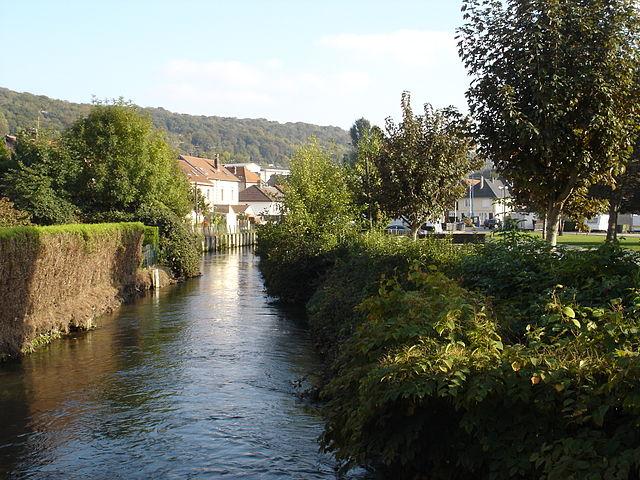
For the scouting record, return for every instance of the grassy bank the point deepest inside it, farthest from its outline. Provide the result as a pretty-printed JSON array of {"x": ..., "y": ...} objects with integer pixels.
[{"x": 508, "y": 360}]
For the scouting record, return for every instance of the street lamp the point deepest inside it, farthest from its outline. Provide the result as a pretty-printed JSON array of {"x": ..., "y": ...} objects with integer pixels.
[{"x": 504, "y": 193}]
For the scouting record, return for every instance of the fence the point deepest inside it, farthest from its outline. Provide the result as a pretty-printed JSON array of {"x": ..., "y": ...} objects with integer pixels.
[{"x": 217, "y": 242}]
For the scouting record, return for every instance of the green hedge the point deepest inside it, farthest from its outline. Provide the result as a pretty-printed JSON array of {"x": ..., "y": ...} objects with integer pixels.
[{"x": 86, "y": 230}]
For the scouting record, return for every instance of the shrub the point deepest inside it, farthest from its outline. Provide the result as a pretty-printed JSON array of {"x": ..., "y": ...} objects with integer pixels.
[
  {"x": 178, "y": 246},
  {"x": 10, "y": 216},
  {"x": 356, "y": 274},
  {"x": 427, "y": 387}
]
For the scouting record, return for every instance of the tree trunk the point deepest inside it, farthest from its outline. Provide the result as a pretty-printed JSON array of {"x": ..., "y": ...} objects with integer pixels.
[
  {"x": 553, "y": 221},
  {"x": 544, "y": 227},
  {"x": 612, "y": 227}
]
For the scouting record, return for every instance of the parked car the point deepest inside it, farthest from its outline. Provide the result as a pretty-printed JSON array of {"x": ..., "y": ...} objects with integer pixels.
[
  {"x": 492, "y": 223},
  {"x": 428, "y": 228},
  {"x": 398, "y": 230}
]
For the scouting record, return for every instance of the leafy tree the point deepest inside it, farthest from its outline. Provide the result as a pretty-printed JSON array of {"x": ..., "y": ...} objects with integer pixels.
[
  {"x": 317, "y": 200},
  {"x": 320, "y": 215},
  {"x": 11, "y": 216},
  {"x": 32, "y": 190},
  {"x": 40, "y": 179},
  {"x": 422, "y": 162},
  {"x": 4, "y": 126},
  {"x": 553, "y": 92},
  {"x": 125, "y": 162},
  {"x": 364, "y": 176},
  {"x": 623, "y": 196}
]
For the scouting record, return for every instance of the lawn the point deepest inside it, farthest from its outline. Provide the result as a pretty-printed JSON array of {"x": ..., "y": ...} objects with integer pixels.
[{"x": 594, "y": 239}]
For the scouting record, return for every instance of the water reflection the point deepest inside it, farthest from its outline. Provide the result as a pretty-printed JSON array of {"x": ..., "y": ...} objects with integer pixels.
[{"x": 193, "y": 383}]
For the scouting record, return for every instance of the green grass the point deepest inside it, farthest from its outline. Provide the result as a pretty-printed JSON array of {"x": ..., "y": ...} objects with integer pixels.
[{"x": 593, "y": 240}]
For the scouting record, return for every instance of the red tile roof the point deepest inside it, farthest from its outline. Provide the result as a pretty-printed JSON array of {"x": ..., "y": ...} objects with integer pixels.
[
  {"x": 244, "y": 174},
  {"x": 203, "y": 170}
]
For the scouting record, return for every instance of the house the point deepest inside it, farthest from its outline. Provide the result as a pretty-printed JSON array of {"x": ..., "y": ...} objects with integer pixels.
[
  {"x": 217, "y": 185},
  {"x": 253, "y": 167},
  {"x": 265, "y": 201},
  {"x": 248, "y": 178},
  {"x": 267, "y": 173},
  {"x": 486, "y": 199}
]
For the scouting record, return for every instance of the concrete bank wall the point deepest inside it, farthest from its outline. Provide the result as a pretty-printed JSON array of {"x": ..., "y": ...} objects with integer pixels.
[{"x": 56, "y": 279}]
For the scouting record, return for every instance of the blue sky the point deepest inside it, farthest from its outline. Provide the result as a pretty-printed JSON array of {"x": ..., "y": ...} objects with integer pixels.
[{"x": 324, "y": 61}]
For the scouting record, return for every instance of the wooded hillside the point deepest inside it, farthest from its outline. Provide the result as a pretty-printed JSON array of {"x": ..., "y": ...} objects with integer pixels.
[{"x": 238, "y": 140}]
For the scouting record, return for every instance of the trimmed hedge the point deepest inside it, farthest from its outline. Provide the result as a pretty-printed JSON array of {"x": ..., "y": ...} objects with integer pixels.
[{"x": 57, "y": 278}]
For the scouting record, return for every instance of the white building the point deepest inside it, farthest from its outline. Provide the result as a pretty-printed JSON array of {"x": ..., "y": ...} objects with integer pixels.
[
  {"x": 217, "y": 184},
  {"x": 265, "y": 201},
  {"x": 486, "y": 199},
  {"x": 267, "y": 172}
]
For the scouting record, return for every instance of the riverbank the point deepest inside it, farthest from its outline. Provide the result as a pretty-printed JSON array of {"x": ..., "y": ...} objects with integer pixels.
[
  {"x": 506, "y": 360},
  {"x": 59, "y": 279}
]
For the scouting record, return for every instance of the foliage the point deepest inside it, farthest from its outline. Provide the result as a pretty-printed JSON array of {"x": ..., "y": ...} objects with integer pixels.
[
  {"x": 124, "y": 162},
  {"x": 431, "y": 382},
  {"x": 178, "y": 245},
  {"x": 422, "y": 163},
  {"x": 356, "y": 274},
  {"x": 11, "y": 216},
  {"x": 151, "y": 236},
  {"x": 319, "y": 217},
  {"x": 554, "y": 92},
  {"x": 41, "y": 179},
  {"x": 363, "y": 175},
  {"x": 238, "y": 140}
]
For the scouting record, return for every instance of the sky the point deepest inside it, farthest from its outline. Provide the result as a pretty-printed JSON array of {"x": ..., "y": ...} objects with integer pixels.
[{"x": 327, "y": 62}]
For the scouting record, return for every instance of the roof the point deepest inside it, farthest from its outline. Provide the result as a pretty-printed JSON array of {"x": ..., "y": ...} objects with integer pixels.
[
  {"x": 243, "y": 173},
  {"x": 260, "y": 194},
  {"x": 203, "y": 170},
  {"x": 486, "y": 188}
]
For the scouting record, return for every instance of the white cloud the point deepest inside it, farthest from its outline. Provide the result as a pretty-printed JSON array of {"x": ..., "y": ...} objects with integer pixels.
[{"x": 341, "y": 78}]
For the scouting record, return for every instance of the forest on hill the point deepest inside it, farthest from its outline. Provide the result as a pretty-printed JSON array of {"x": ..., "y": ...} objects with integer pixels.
[{"x": 239, "y": 140}]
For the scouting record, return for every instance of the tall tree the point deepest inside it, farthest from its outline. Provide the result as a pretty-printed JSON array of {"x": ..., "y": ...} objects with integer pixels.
[
  {"x": 40, "y": 178},
  {"x": 422, "y": 162},
  {"x": 125, "y": 162},
  {"x": 552, "y": 92},
  {"x": 364, "y": 176}
]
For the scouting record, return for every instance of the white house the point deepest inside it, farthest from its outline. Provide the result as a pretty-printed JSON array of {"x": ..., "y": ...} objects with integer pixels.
[
  {"x": 265, "y": 201},
  {"x": 485, "y": 199},
  {"x": 267, "y": 172},
  {"x": 217, "y": 184}
]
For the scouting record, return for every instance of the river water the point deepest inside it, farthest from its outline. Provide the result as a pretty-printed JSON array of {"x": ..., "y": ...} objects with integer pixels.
[{"x": 196, "y": 381}]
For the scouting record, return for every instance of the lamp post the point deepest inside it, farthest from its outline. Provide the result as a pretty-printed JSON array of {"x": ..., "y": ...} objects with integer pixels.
[{"x": 503, "y": 188}]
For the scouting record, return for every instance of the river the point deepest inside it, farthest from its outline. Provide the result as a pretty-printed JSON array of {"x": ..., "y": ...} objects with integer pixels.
[{"x": 198, "y": 380}]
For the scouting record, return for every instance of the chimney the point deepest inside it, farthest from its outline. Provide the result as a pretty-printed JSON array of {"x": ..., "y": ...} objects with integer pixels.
[
  {"x": 481, "y": 181},
  {"x": 216, "y": 161}
]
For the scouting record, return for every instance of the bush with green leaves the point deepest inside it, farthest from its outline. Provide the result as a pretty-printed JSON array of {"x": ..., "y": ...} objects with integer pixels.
[
  {"x": 426, "y": 387},
  {"x": 178, "y": 245},
  {"x": 319, "y": 218},
  {"x": 356, "y": 273}
]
